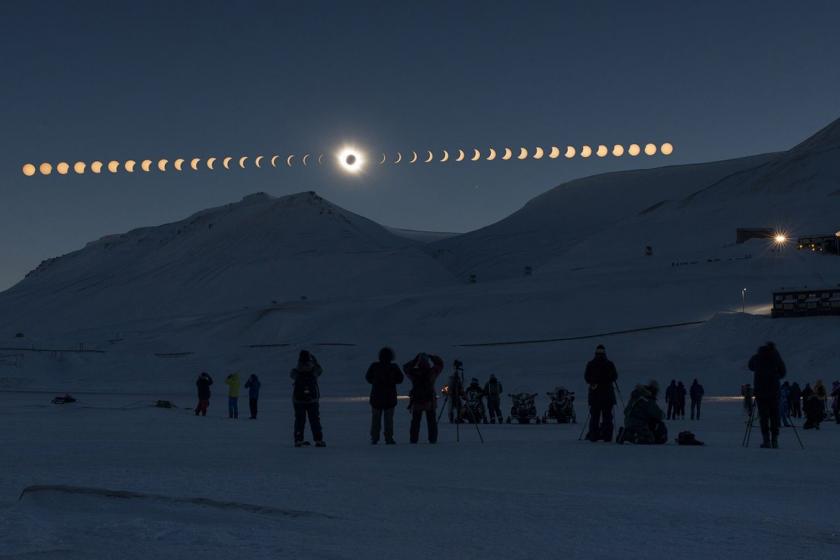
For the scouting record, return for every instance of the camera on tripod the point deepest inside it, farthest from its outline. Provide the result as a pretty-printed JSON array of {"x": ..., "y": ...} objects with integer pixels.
[{"x": 459, "y": 365}]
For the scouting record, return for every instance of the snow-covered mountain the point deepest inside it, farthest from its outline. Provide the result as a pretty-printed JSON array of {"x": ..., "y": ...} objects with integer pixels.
[
  {"x": 253, "y": 252},
  {"x": 676, "y": 210}
]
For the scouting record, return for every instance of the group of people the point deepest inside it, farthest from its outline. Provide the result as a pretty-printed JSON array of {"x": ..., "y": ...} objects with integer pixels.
[
  {"x": 815, "y": 403},
  {"x": 467, "y": 404},
  {"x": 644, "y": 422},
  {"x": 675, "y": 398}
]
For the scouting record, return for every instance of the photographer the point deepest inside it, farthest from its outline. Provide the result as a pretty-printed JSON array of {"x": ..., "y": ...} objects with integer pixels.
[
  {"x": 493, "y": 390},
  {"x": 305, "y": 397},
  {"x": 769, "y": 369},
  {"x": 383, "y": 376},
  {"x": 423, "y": 371},
  {"x": 601, "y": 376},
  {"x": 455, "y": 393}
]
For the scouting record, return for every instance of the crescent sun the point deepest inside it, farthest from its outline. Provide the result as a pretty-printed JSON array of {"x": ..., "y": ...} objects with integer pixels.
[
  {"x": 289, "y": 160},
  {"x": 585, "y": 151},
  {"x": 429, "y": 157},
  {"x": 413, "y": 157},
  {"x": 305, "y": 157},
  {"x": 258, "y": 162},
  {"x": 242, "y": 161},
  {"x": 179, "y": 163},
  {"x": 162, "y": 164},
  {"x": 445, "y": 157},
  {"x": 602, "y": 151},
  {"x": 113, "y": 166},
  {"x": 539, "y": 153},
  {"x": 492, "y": 155},
  {"x": 555, "y": 152},
  {"x": 194, "y": 163},
  {"x": 476, "y": 155},
  {"x": 129, "y": 165},
  {"x": 461, "y": 155},
  {"x": 320, "y": 159},
  {"x": 226, "y": 162},
  {"x": 399, "y": 158},
  {"x": 382, "y": 161},
  {"x": 508, "y": 154},
  {"x": 210, "y": 162},
  {"x": 570, "y": 152},
  {"x": 146, "y": 165},
  {"x": 523, "y": 153},
  {"x": 273, "y": 160}
]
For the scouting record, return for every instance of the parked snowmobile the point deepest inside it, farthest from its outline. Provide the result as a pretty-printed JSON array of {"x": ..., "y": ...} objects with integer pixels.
[
  {"x": 561, "y": 407},
  {"x": 523, "y": 410}
]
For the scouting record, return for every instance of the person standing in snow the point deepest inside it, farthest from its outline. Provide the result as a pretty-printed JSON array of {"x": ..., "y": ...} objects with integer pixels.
[
  {"x": 784, "y": 404},
  {"x": 253, "y": 385},
  {"x": 822, "y": 394},
  {"x": 233, "y": 383},
  {"x": 306, "y": 396},
  {"x": 835, "y": 400},
  {"x": 796, "y": 400},
  {"x": 601, "y": 376},
  {"x": 423, "y": 371},
  {"x": 203, "y": 384},
  {"x": 671, "y": 400},
  {"x": 384, "y": 376},
  {"x": 696, "y": 393},
  {"x": 681, "y": 392},
  {"x": 455, "y": 394},
  {"x": 493, "y": 390},
  {"x": 769, "y": 370}
]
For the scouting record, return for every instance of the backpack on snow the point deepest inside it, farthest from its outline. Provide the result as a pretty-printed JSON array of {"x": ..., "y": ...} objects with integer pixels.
[{"x": 687, "y": 438}]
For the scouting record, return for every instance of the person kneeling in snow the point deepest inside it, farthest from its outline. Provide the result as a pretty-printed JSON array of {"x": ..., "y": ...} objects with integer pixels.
[{"x": 643, "y": 418}]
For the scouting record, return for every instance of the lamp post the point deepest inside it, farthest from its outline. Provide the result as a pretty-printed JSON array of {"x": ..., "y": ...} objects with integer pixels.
[{"x": 743, "y": 300}]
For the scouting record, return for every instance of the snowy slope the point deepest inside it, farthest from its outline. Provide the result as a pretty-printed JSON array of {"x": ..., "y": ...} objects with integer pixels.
[{"x": 253, "y": 252}]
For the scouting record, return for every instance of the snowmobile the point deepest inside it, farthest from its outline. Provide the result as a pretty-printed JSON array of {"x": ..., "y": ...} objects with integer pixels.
[
  {"x": 64, "y": 399},
  {"x": 523, "y": 409},
  {"x": 561, "y": 407}
]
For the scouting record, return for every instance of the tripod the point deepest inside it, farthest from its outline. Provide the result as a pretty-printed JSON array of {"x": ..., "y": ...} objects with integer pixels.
[
  {"x": 748, "y": 432},
  {"x": 456, "y": 401}
]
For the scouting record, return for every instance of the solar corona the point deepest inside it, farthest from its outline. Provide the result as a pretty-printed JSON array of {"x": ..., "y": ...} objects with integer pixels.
[{"x": 352, "y": 160}]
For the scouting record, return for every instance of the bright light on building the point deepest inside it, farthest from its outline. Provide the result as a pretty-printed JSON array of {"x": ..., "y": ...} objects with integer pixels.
[{"x": 780, "y": 238}]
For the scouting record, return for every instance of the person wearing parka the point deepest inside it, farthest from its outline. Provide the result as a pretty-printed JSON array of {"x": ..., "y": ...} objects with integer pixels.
[
  {"x": 384, "y": 376},
  {"x": 643, "y": 418},
  {"x": 203, "y": 384},
  {"x": 423, "y": 370},
  {"x": 601, "y": 377},
  {"x": 253, "y": 385},
  {"x": 768, "y": 369},
  {"x": 306, "y": 395},
  {"x": 696, "y": 393},
  {"x": 233, "y": 383}
]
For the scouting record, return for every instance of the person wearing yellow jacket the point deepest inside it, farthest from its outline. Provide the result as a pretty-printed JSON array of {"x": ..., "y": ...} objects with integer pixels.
[{"x": 233, "y": 384}]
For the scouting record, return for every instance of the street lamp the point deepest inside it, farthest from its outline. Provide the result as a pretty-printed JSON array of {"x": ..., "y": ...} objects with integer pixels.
[{"x": 743, "y": 300}]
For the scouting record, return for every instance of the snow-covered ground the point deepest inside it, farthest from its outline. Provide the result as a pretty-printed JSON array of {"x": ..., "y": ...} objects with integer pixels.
[{"x": 528, "y": 492}]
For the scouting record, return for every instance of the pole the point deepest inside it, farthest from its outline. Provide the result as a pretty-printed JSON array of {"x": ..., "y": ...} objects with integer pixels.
[
  {"x": 746, "y": 441},
  {"x": 585, "y": 425},
  {"x": 460, "y": 373}
]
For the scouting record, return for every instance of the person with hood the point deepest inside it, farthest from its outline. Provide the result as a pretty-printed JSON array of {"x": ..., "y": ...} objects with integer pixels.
[
  {"x": 813, "y": 409},
  {"x": 384, "y": 376},
  {"x": 493, "y": 390},
  {"x": 784, "y": 404},
  {"x": 822, "y": 394},
  {"x": 835, "y": 400},
  {"x": 681, "y": 393},
  {"x": 475, "y": 396},
  {"x": 643, "y": 418},
  {"x": 671, "y": 400},
  {"x": 232, "y": 381},
  {"x": 305, "y": 397},
  {"x": 203, "y": 384},
  {"x": 796, "y": 400},
  {"x": 423, "y": 371},
  {"x": 253, "y": 385},
  {"x": 601, "y": 376},
  {"x": 769, "y": 370},
  {"x": 696, "y": 393}
]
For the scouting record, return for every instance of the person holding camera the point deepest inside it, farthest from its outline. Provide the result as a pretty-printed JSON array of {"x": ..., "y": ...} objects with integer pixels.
[
  {"x": 305, "y": 397},
  {"x": 383, "y": 376},
  {"x": 423, "y": 371},
  {"x": 769, "y": 370},
  {"x": 455, "y": 392}
]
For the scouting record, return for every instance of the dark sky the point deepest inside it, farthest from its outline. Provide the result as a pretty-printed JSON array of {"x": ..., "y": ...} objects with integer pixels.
[{"x": 119, "y": 80}]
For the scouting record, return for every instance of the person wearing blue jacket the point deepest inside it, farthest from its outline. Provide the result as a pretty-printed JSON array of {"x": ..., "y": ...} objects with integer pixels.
[{"x": 253, "y": 385}]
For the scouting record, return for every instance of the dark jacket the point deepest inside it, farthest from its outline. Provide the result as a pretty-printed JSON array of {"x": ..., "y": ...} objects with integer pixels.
[
  {"x": 203, "y": 383},
  {"x": 383, "y": 378},
  {"x": 253, "y": 385},
  {"x": 795, "y": 392},
  {"x": 306, "y": 388},
  {"x": 601, "y": 375},
  {"x": 642, "y": 415},
  {"x": 423, "y": 377},
  {"x": 493, "y": 389},
  {"x": 671, "y": 392},
  {"x": 696, "y": 392},
  {"x": 769, "y": 370},
  {"x": 681, "y": 392}
]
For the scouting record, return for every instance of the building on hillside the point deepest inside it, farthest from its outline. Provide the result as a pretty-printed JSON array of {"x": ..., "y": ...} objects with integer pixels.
[
  {"x": 825, "y": 243},
  {"x": 802, "y": 302},
  {"x": 742, "y": 235}
]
